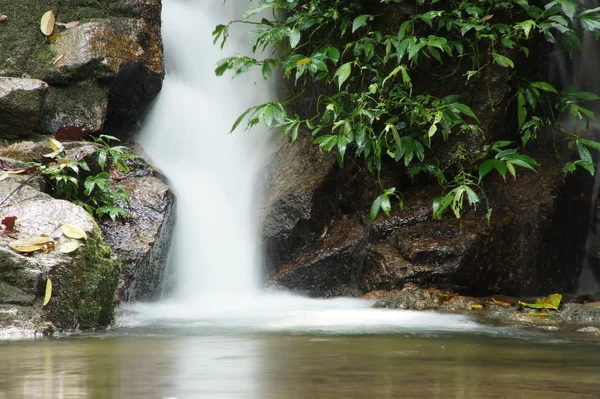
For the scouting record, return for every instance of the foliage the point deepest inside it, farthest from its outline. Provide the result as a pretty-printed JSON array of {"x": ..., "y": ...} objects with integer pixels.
[
  {"x": 74, "y": 180},
  {"x": 549, "y": 302},
  {"x": 373, "y": 105}
]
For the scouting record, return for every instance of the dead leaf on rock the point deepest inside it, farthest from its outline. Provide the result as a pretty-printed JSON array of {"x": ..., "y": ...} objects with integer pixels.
[
  {"x": 496, "y": 302},
  {"x": 48, "y": 292},
  {"x": 57, "y": 147},
  {"x": 47, "y": 23},
  {"x": 73, "y": 231},
  {"x": 549, "y": 302},
  {"x": 69, "y": 246},
  {"x": 32, "y": 244},
  {"x": 69, "y": 25},
  {"x": 54, "y": 37}
]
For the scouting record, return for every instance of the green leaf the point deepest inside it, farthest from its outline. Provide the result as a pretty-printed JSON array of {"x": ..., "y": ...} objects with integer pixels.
[
  {"x": 549, "y": 302},
  {"x": 463, "y": 109},
  {"x": 343, "y": 73},
  {"x": 486, "y": 167},
  {"x": 544, "y": 86},
  {"x": 569, "y": 8},
  {"x": 294, "y": 36},
  {"x": 359, "y": 22},
  {"x": 375, "y": 207},
  {"x": 386, "y": 205},
  {"x": 503, "y": 61}
]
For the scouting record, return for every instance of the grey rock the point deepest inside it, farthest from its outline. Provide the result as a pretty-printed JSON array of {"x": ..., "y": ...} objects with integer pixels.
[
  {"x": 84, "y": 281},
  {"x": 578, "y": 313},
  {"x": 20, "y": 104},
  {"x": 295, "y": 207},
  {"x": 83, "y": 105},
  {"x": 330, "y": 267},
  {"x": 142, "y": 240}
]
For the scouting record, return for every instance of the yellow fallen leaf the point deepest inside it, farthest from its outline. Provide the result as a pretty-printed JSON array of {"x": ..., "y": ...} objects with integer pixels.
[
  {"x": 48, "y": 292},
  {"x": 32, "y": 244},
  {"x": 47, "y": 23},
  {"x": 476, "y": 306},
  {"x": 54, "y": 37},
  {"x": 73, "y": 232},
  {"x": 69, "y": 246},
  {"x": 505, "y": 304},
  {"x": 57, "y": 147}
]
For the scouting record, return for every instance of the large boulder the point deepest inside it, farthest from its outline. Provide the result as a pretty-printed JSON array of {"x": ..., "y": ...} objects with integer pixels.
[
  {"x": 20, "y": 106},
  {"x": 142, "y": 240},
  {"x": 533, "y": 245},
  {"x": 116, "y": 49},
  {"x": 84, "y": 281},
  {"x": 332, "y": 266},
  {"x": 82, "y": 105},
  {"x": 298, "y": 201}
]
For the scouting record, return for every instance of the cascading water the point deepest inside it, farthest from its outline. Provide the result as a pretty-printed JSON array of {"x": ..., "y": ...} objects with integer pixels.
[
  {"x": 215, "y": 256},
  {"x": 213, "y": 173}
]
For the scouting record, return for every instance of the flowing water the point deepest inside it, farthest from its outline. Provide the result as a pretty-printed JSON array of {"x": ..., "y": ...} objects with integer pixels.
[{"x": 216, "y": 335}]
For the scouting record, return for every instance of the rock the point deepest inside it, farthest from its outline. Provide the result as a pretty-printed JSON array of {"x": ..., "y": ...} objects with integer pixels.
[
  {"x": 142, "y": 240},
  {"x": 117, "y": 47},
  {"x": 330, "y": 267},
  {"x": 297, "y": 204},
  {"x": 20, "y": 104},
  {"x": 589, "y": 329},
  {"x": 82, "y": 105},
  {"x": 577, "y": 313},
  {"x": 26, "y": 151},
  {"x": 84, "y": 281}
]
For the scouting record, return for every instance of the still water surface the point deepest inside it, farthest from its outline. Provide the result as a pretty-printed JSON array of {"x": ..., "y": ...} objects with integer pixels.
[{"x": 169, "y": 362}]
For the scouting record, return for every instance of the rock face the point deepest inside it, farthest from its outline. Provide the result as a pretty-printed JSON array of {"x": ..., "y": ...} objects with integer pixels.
[
  {"x": 142, "y": 241},
  {"x": 534, "y": 244},
  {"x": 300, "y": 190},
  {"x": 20, "y": 106},
  {"x": 84, "y": 281},
  {"x": 103, "y": 73}
]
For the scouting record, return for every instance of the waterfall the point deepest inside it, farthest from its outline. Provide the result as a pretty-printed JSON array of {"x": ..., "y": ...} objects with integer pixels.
[{"x": 213, "y": 173}]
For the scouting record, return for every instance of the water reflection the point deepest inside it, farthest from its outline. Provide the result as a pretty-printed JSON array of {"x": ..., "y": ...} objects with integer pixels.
[{"x": 299, "y": 366}]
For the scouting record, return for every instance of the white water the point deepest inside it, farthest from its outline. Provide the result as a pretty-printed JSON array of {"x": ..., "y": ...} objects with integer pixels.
[{"x": 215, "y": 257}]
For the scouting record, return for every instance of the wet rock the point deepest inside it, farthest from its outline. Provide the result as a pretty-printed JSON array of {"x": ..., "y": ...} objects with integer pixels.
[
  {"x": 142, "y": 240},
  {"x": 30, "y": 150},
  {"x": 414, "y": 298},
  {"x": 577, "y": 313},
  {"x": 20, "y": 104},
  {"x": 84, "y": 281},
  {"x": 330, "y": 267},
  {"x": 297, "y": 204},
  {"x": 83, "y": 105},
  {"x": 590, "y": 329}
]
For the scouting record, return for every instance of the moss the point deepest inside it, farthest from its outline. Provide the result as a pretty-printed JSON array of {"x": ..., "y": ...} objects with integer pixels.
[
  {"x": 84, "y": 290},
  {"x": 100, "y": 280},
  {"x": 23, "y": 47}
]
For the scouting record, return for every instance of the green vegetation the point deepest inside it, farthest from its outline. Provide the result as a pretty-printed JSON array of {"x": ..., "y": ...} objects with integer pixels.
[
  {"x": 90, "y": 187},
  {"x": 377, "y": 100}
]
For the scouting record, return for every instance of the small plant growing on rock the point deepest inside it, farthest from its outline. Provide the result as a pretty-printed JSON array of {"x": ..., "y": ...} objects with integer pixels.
[{"x": 74, "y": 180}]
